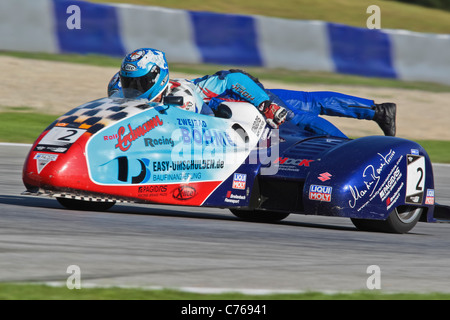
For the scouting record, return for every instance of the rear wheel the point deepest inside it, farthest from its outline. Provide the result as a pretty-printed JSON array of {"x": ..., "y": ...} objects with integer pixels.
[
  {"x": 82, "y": 205},
  {"x": 400, "y": 220},
  {"x": 259, "y": 215}
]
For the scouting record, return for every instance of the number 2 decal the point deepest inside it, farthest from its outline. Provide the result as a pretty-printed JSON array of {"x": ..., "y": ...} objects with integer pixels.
[
  {"x": 418, "y": 185},
  {"x": 415, "y": 179},
  {"x": 59, "y": 139},
  {"x": 59, "y": 136},
  {"x": 66, "y": 138}
]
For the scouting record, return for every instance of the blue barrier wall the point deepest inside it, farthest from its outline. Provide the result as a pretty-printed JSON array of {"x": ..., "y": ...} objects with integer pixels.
[
  {"x": 360, "y": 51},
  {"x": 99, "y": 32},
  {"x": 226, "y": 39},
  {"x": 238, "y": 40}
]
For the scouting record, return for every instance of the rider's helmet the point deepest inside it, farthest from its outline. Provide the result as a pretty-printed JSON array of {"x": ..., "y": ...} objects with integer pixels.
[{"x": 144, "y": 74}]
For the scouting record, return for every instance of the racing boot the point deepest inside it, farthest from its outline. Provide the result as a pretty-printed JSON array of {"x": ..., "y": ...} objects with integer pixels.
[
  {"x": 385, "y": 117},
  {"x": 275, "y": 114}
]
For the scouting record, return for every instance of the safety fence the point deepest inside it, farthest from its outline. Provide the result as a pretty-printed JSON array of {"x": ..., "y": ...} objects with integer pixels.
[{"x": 62, "y": 26}]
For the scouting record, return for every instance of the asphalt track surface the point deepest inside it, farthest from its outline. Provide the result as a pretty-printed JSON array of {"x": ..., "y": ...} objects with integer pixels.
[{"x": 209, "y": 249}]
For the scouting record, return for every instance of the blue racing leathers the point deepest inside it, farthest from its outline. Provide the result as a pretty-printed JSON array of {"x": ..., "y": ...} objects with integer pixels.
[
  {"x": 228, "y": 85},
  {"x": 303, "y": 107},
  {"x": 327, "y": 103}
]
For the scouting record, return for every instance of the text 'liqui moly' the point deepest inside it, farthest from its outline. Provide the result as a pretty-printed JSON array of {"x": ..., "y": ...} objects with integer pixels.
[{"x": 320, "y": 193}]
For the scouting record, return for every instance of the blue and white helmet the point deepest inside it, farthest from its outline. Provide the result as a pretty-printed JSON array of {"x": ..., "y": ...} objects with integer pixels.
[{"x": 144, "y": 74}]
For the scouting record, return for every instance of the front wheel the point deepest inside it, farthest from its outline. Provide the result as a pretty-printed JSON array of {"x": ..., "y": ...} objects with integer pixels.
[
  {"x": 259, "y": 215},
  {"x": 400, "y": 220},
  {"x": 82, "y": 205}
]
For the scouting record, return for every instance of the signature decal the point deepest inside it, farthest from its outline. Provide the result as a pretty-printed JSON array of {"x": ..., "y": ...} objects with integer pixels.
[{"x": 372, "y": 184}]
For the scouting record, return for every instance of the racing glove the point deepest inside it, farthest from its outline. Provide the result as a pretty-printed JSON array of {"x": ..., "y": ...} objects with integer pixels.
[{"x": 275, "y": 114}]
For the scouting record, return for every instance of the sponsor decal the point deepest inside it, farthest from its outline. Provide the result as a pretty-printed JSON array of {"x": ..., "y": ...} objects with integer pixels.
[
  {"x": 129, "y": 67},
  {"x": 152, "y": 142},
  {"x": 415, "y": 199},
  {"x": 242, "y": 91},
  {"x": 188, "y": 106},
  {"x": 152, "y": 191},
  {"x": 296, "y": 162},
  {"x": 239, "y": 181},
  {"x": 184, "y": 165},
  {"x": 191, "y": 122},
  {"x": 390, "y": 183},
  {"x": 324, "y": 176},
  {"x": 42, "y": 159},
  {"x": 258, "y": 125},
  {"x": 390, "y": 201},
  {"x": 320, "y": 193},
  {"x": 125, "y": 140},
  {"x": 203, "y": 136},
  {"x": 184, "y": 193},
  {"x": 124, "y": 164},
  {"x": 234, "y": 198},
  {"x": 415, "y": 152},
  {"x": 183, "y": 176},
  {"x": 429, "y": 199},
  {"x": 111, "y": 137},
  {"x": 51, "y": 149},
  {"x": 136, "y": 55},
  {"x": 371, "y": 178}
]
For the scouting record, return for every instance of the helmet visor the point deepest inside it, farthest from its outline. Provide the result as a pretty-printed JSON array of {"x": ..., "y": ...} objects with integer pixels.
[{"x": 133, "y": 87}]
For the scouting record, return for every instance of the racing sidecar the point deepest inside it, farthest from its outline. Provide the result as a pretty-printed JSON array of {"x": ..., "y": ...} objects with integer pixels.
[{"x": 111, "y": 150}]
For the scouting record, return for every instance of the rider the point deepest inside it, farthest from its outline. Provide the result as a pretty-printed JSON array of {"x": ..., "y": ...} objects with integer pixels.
[{"x": 144, "y": 73}]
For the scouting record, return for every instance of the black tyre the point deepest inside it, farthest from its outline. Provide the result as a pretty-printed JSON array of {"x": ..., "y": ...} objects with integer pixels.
[
  {"x": 400, "y": 220},
  {"x": 82, "y": 205},
  {"x": 259, "y": 215}
]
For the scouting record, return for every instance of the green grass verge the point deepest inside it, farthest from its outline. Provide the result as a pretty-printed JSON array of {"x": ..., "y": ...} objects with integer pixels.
[
  {"x": 24, "y": 127},
  {"x": 264, "y": 74},
  {"x": 439, "y": 151},
  {"x": 14, "y": 291}
]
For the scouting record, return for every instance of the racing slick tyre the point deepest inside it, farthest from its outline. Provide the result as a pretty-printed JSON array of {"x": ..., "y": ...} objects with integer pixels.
[
  {"x": 259, "y": 215},
  {"x": 82, "y": 205},
  {"x": 400, "y": 220}
]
